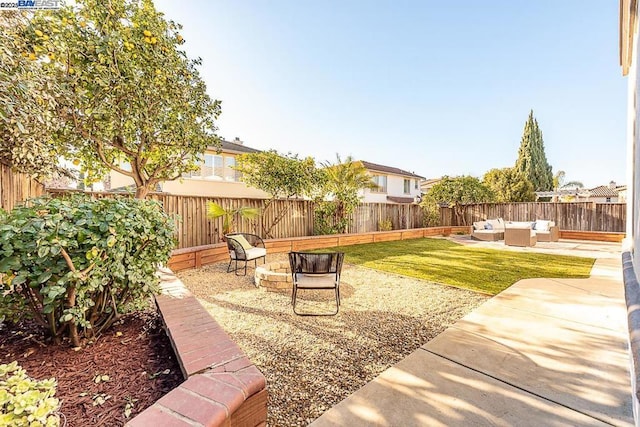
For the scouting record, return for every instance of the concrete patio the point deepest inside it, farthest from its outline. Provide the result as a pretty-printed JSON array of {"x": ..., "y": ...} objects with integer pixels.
[{"x": 543, "y": 352}]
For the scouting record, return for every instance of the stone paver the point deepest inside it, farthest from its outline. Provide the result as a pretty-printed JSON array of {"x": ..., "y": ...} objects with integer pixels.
[{"x": 543, "y": 352}]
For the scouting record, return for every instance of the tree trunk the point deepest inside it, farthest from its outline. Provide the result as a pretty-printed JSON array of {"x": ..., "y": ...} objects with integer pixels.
[{"x": 142, "y": 191}]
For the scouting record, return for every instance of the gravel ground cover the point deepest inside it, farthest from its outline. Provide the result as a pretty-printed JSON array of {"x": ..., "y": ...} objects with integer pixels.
[{"x": 312, "y": 363}]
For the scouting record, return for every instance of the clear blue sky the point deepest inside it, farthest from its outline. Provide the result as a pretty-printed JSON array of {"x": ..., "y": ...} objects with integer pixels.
[{"x": 434, "y": 87}]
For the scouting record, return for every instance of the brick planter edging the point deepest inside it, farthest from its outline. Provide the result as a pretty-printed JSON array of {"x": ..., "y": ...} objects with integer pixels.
[{"x": 222, "y": 387}]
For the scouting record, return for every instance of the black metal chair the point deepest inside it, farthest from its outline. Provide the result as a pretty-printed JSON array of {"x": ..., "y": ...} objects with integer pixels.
[
  {"x": 245, "y": 247},
  {"x": 316, "y": 271}
]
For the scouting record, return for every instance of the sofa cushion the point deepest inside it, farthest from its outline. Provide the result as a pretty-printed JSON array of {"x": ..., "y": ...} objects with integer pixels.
[
  {"x": 519, "y": 224},
  {"x": 479, "y": 225},
  {"x": 542, "y": 225},
  {"x": 496, "y": 224},
  {"x": 250, "y": 254}
]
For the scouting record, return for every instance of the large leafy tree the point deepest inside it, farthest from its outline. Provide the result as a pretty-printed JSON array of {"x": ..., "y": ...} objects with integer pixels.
[
  {"x": 27, "y": 104},
  {"x": 341, "y": 185},
  {"x": 130, "y": 98},
  {"x": 532, "y": 161},
  {"x": 456, "y": 192},
  {"x": 509, "y": 186},
  {"x": 283, "y": 176}
]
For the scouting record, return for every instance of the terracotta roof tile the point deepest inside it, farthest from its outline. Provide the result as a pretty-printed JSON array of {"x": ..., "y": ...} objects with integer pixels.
[{"x": 603, "y": 191}]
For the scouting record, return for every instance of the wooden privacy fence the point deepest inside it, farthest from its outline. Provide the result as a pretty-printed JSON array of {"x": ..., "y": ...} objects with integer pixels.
[
  {"x": 582, "y": 216},
  {"x": 195, "y": 229},
  {"x": 368, "y": 216},
  {"x": 16, "y": 187}
]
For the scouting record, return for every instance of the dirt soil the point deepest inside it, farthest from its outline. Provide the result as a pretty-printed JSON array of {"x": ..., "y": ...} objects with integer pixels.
[{"x": 127, "y": 369}]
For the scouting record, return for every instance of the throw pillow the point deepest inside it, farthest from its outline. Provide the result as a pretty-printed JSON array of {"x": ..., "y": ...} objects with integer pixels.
[
  {"x": 479, "y": 225},
  {"x": 533, "y": 225},
  {"x": 488, "y": 226},
  {"x": 243, "y": 242}
]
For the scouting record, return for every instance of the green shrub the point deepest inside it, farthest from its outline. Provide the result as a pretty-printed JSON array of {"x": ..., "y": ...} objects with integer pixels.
[
  {"x": 25, "y": 401},
  {"x": 385, "y": 225},
  {"x": 77, "y": 263},
  {"x": 327, "y": 220}
]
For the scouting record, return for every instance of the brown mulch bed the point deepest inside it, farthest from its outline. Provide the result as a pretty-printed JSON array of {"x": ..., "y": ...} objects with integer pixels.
[{"x": 135, "y": 354}]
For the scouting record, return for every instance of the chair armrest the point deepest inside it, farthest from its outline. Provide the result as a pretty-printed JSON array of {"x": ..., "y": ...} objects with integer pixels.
[
  {"x": 255, "y": 240},
  {"x": 235, "y": 246}
]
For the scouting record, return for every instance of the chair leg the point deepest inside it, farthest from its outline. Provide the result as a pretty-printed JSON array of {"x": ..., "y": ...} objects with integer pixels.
[
  {"x": 294, "y": 299},
  {"x": 229, "y": 266},
  {"x": 237, "y": 269}
]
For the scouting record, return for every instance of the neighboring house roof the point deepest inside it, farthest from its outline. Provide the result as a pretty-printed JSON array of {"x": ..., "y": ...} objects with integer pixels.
[
  {"x": 427, "y": 184},
  {"x": 388, "y": 169},
  {"x": 577, "y": 192},
  {"x": 395, "y": 199},
  {"x": 236, "y": 147},
  {"x": 603, "y": 191}
]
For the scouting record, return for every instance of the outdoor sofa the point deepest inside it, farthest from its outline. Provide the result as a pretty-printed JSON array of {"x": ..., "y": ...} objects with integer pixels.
[
  {"x": 519, "y": 234},
  {"x": 546, "y": 231},
  {"x": 494, "y": 229},
  {"x": 490, "y": 230}
]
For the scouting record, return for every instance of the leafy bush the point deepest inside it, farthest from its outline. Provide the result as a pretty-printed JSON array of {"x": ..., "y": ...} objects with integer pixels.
[
  {"x": 385, "y": 225},
  {"x": 25, "y": 401},
  {"x": 431, "y": 210},
  {"x": 327, "y": 220},
  {"x": 77, "y": 263}
]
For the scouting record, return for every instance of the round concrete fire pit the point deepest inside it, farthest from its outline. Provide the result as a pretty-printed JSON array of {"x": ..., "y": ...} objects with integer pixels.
[{"x": 274, "y": 276}]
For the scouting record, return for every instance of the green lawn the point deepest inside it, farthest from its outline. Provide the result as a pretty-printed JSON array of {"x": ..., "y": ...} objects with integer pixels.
[{"x": 442, "y": 261}]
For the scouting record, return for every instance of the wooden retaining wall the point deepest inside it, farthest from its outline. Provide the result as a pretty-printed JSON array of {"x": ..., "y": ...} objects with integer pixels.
[
  {"x": 198, "y": 256},
  {"x": 598, "y": 236}
]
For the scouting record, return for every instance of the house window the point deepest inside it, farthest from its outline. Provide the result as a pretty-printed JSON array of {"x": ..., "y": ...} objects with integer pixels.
[
  {"x": 381, "y": 182},
  {"x": 415, "y": 185},
  {"x": 193, "y": 174},
  {"x": 206, "y": 169},
  {"x": 407, "y": 186},
  {"x": 229, "y": 173},
  {"x": 216, "y": 167},
  {"x": 608, "y": 199}
]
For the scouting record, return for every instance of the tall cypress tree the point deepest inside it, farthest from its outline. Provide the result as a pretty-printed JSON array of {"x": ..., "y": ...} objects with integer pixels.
[{"x": 532, "y": 161}]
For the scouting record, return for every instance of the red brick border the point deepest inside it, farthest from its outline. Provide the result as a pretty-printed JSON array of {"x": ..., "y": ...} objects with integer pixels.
[{"x": 223, "y": 387}]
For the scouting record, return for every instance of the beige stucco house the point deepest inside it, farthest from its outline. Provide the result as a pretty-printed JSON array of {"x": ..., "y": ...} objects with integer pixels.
[
  {"x": 611, "y": 193},
  {"x": 629, "y": 50},
  {"x": 216, "y": 176},
  {"x": 394, "y": 185}
]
